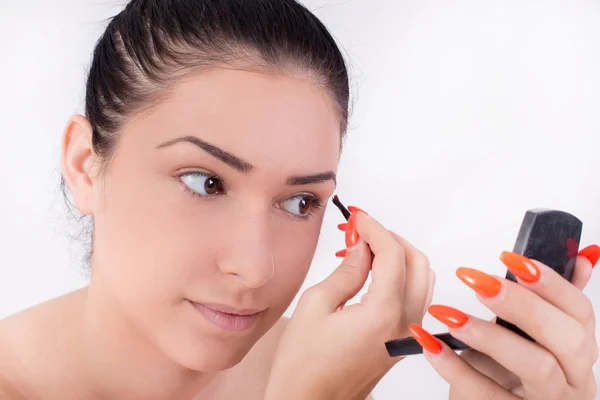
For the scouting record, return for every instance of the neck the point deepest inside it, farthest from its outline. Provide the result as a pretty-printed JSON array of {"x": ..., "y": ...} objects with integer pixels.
[{"x": 114, "y": 360}]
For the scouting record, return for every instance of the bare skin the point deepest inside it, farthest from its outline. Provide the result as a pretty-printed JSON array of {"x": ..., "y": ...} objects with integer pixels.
[
  {"x": 162, "y": 243},
  {"x": 33, "y": 336},
  {"x": 34, "y": 367},
  {"x": 206, "y": 219}
]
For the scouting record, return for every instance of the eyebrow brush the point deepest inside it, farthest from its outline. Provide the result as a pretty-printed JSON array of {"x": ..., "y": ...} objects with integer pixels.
[{"x": 342, "y": 208}]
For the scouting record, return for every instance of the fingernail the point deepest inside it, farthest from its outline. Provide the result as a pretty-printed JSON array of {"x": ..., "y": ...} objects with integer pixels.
[
  {"x": 592, "y": 253},
  {"x": 482, "y": 283},
  {"x": 341, "y": 253},
  {"x": 351, "y": 233},
  {"x": 449, "y": 316},
  {"x": 425, "y": 339},
  {"x": 342, "y": 227},
  {"x": 521, "y": 266},
  {"x": 353, "y": 209}
]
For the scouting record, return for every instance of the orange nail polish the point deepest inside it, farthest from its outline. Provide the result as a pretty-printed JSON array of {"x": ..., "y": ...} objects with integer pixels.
[
  {"x": 342, "y": 227},
  {"x": 353, "y": 209},
  {"x": 425, "y": 339},
  {"x": 351, "y": 233},
  {"x": 341, "y": 253},
  {"x": 592, "y": 253},
  {"x": 449, "y": 316},
  {"x": 521, "y": 266},
  {"x": 482, "y": 283}
]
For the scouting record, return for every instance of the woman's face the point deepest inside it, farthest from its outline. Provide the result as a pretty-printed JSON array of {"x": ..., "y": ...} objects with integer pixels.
[{"x": 212, "y": 206}]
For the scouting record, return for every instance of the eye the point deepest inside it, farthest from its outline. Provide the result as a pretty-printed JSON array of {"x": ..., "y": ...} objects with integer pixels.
[
  {"x": 202, "y": 183},
  {"x": 301, "y": 205}
]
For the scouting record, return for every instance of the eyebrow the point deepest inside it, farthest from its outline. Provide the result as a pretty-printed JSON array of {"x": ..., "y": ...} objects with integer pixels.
[
  {"x": 228, "y": 158},
  {"x": 244, "y": 166},
  {"x": 310, "y": 179}
]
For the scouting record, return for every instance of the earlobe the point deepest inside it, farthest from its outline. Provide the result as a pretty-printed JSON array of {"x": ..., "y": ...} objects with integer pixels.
[{"x": 78, "y": 161}]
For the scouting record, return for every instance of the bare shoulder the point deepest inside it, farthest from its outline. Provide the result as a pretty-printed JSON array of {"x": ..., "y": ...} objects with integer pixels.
[
  {"x": 21, "y": 330},
  {"x": 26, "y": 340},
  {"x": 16, "y": 333}
]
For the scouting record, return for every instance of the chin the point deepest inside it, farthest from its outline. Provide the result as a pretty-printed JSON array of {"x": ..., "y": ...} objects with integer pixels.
[
  {"x": 212, "y": 356},
  {"x": 198, "y": 345},
  {"x": 208, "y": 351}
]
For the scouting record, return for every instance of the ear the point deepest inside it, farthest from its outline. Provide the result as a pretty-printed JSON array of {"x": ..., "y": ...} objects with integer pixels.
[{"x": 78, "y": 162}]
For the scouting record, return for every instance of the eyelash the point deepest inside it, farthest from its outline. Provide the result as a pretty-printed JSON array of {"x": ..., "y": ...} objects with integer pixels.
[{"x": 316, "y": 202}]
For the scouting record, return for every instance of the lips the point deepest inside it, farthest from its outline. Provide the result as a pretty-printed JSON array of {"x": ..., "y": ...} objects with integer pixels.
[{"x": 226, "y": 317}]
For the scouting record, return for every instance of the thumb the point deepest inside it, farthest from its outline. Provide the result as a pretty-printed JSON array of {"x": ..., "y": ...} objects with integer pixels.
[
  {"x": 586, "y": 260},
  {"x": 347, "y": 279},
  {"x": 582, "y": 273}
]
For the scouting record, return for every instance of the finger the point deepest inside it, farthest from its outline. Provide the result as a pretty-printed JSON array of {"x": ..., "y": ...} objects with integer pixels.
[
  {"x": 550, "y": 286},
  {"x": 592, "y": 253},
  {"x": 462, "y": 378},
  {"x": 538, "y": 369},
  {"x": 417, "y": 288},
  {"x": 420, "y": 279},
  {"x": 582, "y": 273},
  {"x": 565, "y": 337},
  {"x": 489, "y": 367},
  {"x": 432, "y": 278},
  {"x": 388, "y": 270},
  {"x": 343, "y": 283}
]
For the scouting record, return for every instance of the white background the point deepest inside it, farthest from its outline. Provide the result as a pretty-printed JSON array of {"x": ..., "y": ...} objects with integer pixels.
[{"x": 467, "y": 114}]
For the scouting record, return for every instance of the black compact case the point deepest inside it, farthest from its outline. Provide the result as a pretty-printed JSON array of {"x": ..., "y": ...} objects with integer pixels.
[
  {"x": 551, "y": 237},
  {"x": 548, "y": 236}
]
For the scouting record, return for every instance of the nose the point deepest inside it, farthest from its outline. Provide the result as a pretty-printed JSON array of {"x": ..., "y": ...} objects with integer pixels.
[{"x": 247, "y": 250}]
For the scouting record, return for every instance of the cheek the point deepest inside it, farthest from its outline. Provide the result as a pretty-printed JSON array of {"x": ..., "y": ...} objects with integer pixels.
[
  {"x": 149, "y": 239},
  {"x": 294, "y": 252}
]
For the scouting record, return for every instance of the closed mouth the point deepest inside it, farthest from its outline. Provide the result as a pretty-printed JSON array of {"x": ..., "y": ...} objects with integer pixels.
[
  {"x": 226, "y": 317},
  {"x": 223, "y": 309}
]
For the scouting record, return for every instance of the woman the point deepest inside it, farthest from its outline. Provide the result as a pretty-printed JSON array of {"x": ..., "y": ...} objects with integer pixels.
[{"x": 208, "y": 151}]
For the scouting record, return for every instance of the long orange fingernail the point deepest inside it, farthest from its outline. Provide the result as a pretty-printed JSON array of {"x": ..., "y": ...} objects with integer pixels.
[
  {"x": 351, "y": 233},
  {"x": 521, "y": 266},
  {"x": 592, "y": 253},
  {"x": 342, "y": 227},
  {"x": 425, "y": 339},
  {"x": 449, "y": 316},
  {"x": 482, "y": 283},
  {"x": 341, "y": 253}
]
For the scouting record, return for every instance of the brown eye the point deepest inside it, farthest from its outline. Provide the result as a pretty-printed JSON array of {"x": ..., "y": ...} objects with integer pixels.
[
  {"x": 212, "y": 186},
  {"x": 304, "y": 206},
  {"x": 300, "y": 206},
  {"x": 203, "y": 184}
]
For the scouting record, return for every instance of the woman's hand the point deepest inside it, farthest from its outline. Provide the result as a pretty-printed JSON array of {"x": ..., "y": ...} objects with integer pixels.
[
  {"x": 505, "y": 366},
  {"x": 332, "y": 351}
]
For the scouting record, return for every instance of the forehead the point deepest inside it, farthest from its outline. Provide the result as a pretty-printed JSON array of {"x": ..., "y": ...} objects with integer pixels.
[{"x": 268, "y": 120}]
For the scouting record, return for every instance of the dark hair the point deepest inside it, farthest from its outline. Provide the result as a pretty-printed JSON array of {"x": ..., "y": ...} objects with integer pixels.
[{"x": 152, "y": 43}]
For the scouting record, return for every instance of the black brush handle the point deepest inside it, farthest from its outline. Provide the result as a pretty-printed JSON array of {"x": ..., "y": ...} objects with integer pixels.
[
  {"x": 409, "y": 346},
  {"x": 548, "y": 236}
]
